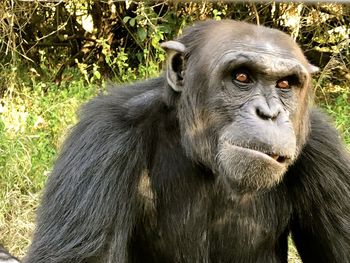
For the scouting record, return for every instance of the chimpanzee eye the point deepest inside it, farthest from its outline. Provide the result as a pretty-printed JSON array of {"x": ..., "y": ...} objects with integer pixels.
[
  {"x": 241, "y": 76},
  {"x": 288, "y": 82},
  {"x": 283, "y": 84}
]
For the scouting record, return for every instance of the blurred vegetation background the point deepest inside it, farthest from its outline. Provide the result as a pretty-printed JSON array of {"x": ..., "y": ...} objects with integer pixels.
[{"x": 56, "y": 54}]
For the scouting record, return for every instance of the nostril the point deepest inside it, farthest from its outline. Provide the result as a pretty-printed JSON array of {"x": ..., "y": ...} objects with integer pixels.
[{"x": 263, "y": 115}]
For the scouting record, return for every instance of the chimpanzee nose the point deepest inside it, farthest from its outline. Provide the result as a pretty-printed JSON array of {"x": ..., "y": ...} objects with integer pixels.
[{"x": 264, "y": 112}]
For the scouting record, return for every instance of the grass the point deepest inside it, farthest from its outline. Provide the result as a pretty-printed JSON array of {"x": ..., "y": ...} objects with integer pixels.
[
  {"x": 33, "y": 125},
  {"x": 339, "y": 110}
]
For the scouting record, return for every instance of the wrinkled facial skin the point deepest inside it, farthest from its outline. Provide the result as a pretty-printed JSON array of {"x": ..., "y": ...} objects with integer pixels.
[
  {"x": 243, "y": 105},
  {"x": 257, "y": 141}
]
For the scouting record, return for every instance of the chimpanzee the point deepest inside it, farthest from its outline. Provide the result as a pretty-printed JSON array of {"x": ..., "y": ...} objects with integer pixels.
[{"x": 217, "y": 160}]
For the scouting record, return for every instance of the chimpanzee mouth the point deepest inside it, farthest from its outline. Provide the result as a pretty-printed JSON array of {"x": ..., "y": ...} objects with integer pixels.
[{"x": 276, "y": 157}]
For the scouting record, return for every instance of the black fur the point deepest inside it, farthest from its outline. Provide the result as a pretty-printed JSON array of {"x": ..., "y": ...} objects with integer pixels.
[
  {"x": 319, "y": 185},
  {"x": 124, "y": 189}
]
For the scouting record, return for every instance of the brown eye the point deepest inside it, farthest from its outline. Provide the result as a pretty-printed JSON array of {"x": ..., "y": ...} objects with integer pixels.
[
  {"x": 241, "y": 77},
  {"x": 283, "y": 84}
]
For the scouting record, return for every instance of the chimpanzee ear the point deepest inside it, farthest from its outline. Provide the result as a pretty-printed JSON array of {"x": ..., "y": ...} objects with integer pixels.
[
  {"x": 175, "y": 64},
  {"x": 313, "y": 69}
]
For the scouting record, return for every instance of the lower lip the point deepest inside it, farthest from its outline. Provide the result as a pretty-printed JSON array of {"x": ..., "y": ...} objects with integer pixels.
[{"x": 254, "y": 152}]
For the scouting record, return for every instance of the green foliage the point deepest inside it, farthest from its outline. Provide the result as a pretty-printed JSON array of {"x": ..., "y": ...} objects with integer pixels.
[
  {"x": 33, "y": 124},
  {"x": 340, "y": 111},
  {"x": 120, "y": 40}
]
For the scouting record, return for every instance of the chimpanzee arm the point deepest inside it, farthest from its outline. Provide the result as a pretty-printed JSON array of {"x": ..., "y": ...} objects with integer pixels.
[
  {"x": 321, "y": 196},
  {"x": 88, "y": 208}
]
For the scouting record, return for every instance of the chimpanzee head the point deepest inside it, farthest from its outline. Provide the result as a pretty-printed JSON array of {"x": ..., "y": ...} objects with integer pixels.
[{"x": 241, "y": 93}]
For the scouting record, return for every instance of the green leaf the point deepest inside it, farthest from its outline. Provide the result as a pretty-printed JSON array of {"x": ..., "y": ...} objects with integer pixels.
[
  {"x": 97, "y": 75},
  {"x": 126, "y": 19},
  {"x": 132, "y": 22},
  {"x": 155, "y": 42},
  {"x": 142, "y": 33}
]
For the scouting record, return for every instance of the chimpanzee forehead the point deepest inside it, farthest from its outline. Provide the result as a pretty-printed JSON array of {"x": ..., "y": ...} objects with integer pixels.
[{"x": 240, "y": 36}]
